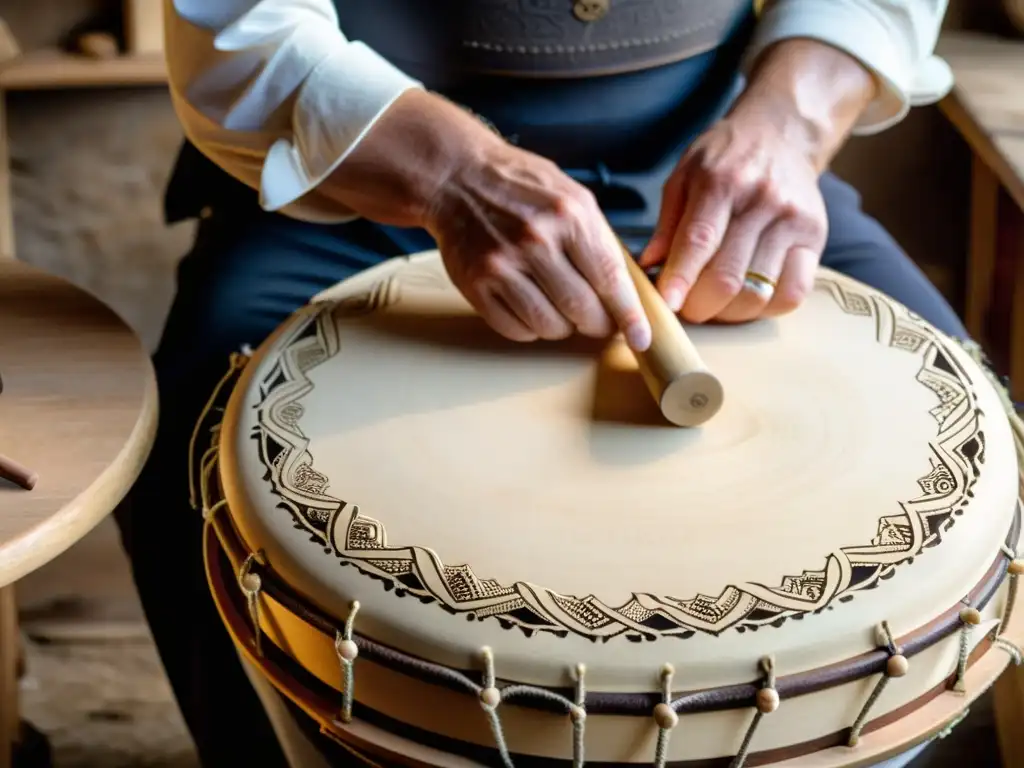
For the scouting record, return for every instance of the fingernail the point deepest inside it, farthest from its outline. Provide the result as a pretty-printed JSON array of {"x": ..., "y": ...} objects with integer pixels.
[
  {"x": 674, "y": 299},
  {"x": 638, "y": 336}
]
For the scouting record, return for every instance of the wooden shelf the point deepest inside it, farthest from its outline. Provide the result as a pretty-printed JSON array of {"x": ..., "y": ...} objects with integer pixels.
[{"x": 54, "y": 69}]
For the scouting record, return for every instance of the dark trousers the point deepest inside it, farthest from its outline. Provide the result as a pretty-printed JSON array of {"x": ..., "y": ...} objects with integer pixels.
[{"x": 246, "y": 273}]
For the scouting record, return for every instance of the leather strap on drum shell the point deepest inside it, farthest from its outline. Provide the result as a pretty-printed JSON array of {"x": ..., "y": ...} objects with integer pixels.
[{"x": 542, "y": 38}]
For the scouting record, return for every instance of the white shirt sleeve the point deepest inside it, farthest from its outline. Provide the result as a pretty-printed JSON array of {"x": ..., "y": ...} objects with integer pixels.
[
  {"x": 275, "y": 94},
  {"x": 894, "y": 39}
]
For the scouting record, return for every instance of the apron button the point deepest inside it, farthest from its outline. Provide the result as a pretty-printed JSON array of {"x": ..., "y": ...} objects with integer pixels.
[{"x": 590, "y": 10}]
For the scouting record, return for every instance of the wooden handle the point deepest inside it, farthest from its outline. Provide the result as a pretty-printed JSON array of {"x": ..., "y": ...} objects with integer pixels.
[
  {"x": 687, "y": 393},
  {"x": 17, "y": 474}
]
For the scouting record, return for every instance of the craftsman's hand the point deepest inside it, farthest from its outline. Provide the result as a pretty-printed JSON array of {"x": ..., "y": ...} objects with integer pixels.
[
  {"x": 531, "y": 250},
  {"x": 743, "y": 210},
  {"x": 526, "y": 245},
  {"x": 743, "y": 199}
]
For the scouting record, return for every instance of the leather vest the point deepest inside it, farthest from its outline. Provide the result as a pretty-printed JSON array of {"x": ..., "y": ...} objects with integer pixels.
[{"x": 540, "y": 38}]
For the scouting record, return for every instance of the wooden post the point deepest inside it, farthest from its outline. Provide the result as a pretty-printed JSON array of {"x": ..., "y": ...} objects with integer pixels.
[
  {"x": 6, "y": 196},
  {"x": 10, "y": 718},
  {"x": 144, "y": 26},
  {"x": 981, "y": 260},
  {"x": 9, "y": 50}
]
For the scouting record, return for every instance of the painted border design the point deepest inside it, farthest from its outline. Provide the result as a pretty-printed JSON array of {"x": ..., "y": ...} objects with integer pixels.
[{"x": 957, "y": 453}]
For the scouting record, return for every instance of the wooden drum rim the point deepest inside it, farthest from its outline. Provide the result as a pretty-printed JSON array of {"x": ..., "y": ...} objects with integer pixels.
[
  {"x": 221, "y": 546},
  {"x": 870, "y": 663}
]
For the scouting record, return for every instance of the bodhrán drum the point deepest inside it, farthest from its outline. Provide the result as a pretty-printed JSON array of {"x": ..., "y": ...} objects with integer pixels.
[{"x": 447, "y": 547}]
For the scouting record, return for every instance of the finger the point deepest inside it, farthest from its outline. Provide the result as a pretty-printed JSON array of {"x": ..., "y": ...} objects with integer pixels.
[
  {"x": 597, "y": 254},
  {"x": 570, "y": 293},
  {"x": 694, "y": 243},
  {"x": 721, "y": 280},
  {"x": 768, "y": 262},
  {"x": 497, "y": 314},
  {"x": 671, "y": 213},
  {"x": 533, "y": 308},
  {"x": 796, "y": 281}
]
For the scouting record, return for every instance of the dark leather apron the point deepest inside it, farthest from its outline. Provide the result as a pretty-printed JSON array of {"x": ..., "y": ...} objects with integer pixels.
[
  {"x": 539, "y": 38},
  {"x": 612, "y": 90}
]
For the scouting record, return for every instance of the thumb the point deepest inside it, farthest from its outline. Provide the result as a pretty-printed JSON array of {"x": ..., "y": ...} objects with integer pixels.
[{"x": 673, "y": 203}]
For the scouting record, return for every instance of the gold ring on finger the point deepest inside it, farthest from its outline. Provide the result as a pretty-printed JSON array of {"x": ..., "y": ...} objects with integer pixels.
[{"x": 758, "y": 283}]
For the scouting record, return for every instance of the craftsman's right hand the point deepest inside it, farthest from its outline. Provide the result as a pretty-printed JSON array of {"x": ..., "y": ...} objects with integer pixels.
[
  {"x": 526, "y": 245},
  {"x": 531, "y": 250}
]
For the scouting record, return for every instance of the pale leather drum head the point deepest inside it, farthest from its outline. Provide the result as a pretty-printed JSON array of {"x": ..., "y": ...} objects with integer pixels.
[{"x": 386, "y": 446}]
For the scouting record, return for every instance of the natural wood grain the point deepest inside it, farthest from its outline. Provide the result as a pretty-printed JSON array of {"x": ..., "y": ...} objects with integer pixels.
[
  {"x": 9, "y": 47},
  {"x": 987, "y": 102},
  {"x": 6, "y": 198},
  {"x": 987, "y": 108},
  {"x": 982, "y": 255},
  {"x": 686, "y": 392},
  {"x": 78, "y": 407},
  {"x": 17, "y": 473},
  {"x": 78, "y": 631},
  {"x": 51, "y": 69},
  {"x": 9, "y": 654},
  {"x": 144, "y": 26},
  {"x": 1011, "y": 235}
]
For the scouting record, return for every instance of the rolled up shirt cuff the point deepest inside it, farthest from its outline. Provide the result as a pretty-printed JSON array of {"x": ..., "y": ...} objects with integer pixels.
[
  {"x": 340, "y": 101},
  {"x": 863, "y": 33}
]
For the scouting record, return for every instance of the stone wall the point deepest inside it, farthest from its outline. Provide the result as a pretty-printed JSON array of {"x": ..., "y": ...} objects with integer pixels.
[{"x": 88, "y": 174}]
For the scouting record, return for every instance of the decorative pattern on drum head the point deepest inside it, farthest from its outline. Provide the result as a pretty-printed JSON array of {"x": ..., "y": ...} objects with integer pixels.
[{"x": 957, "y": 453}]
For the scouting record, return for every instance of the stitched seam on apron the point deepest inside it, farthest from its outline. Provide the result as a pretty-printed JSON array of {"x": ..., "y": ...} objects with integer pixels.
[{"x": 611, "y": 46}]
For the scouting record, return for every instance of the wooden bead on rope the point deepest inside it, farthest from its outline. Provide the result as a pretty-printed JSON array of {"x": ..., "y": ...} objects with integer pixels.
[
  {"x": 665, "y": 716},
  {"x": 1015, "y": 568},
  {"x": 348, "y": 650},
  {"x": 897, "y": 665},
  {"x": 251, "y": 583},
  {"x": 490, "y": 697},
  {"x": 970, "y": 616},
  {"x": 686, "y": 392},
  {"x": 767, "y": 700},
  {"x": 18, "y": 474}
]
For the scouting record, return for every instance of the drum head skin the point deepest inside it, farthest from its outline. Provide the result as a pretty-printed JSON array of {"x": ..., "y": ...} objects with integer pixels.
[{"x": 386, "y": 446}]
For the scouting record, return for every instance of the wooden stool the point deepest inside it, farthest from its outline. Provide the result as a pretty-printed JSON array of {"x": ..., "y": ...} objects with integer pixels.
[{"x": 79, "y": 407}]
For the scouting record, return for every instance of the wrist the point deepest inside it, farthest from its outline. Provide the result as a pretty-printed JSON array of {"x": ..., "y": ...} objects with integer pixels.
[
  {"x": 810, "y": 93},
  {"x": 398, "y": 171}
]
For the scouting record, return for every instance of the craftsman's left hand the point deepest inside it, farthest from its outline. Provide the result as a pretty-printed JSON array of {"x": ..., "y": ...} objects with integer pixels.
[{"x": 742, "y": 205}]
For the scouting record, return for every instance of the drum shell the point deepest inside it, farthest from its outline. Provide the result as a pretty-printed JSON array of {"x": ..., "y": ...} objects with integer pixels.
[
  {"x": 429, "y": 715},
  {"x": 803, "y": 723}
]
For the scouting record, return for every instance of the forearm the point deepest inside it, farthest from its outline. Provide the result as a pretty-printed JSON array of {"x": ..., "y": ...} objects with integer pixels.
[
  {"x": 396, "y": 172},
  {"x": 893, "y": 39},
  {"x": 275, "y": 93},
  {"x": 811, "y": 92}
]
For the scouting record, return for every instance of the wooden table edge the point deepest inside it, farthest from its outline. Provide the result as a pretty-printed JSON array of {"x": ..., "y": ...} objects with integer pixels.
[
  {"x": 982, "y": 143},
  {"x": 60, "y": 531}
]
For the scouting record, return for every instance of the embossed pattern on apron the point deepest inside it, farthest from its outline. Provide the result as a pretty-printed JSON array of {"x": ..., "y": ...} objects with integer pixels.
[{"x": 545, "y": 38}]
